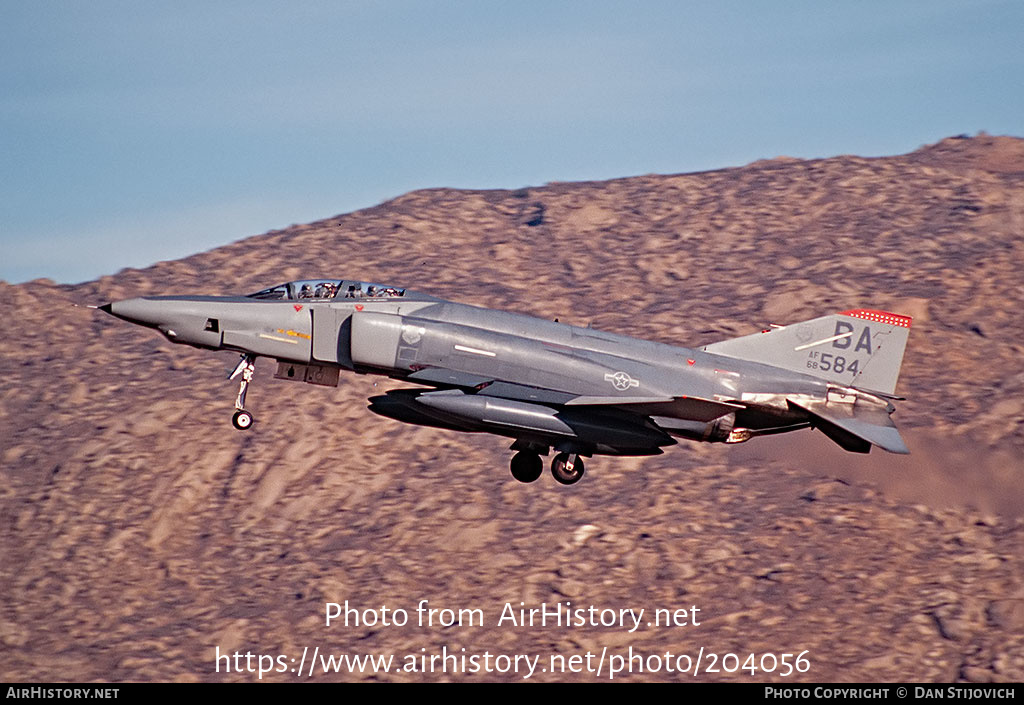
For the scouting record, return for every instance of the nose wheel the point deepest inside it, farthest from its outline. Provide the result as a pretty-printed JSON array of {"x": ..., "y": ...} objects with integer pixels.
[{"x": 242, "y": 419}]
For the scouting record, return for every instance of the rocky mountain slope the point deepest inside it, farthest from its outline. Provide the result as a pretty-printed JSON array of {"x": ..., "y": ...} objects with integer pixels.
[{"x": 139, "y": 532}]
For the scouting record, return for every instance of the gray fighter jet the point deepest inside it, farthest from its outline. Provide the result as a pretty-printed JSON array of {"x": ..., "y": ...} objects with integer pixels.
[{"x": 551, "y": 386}]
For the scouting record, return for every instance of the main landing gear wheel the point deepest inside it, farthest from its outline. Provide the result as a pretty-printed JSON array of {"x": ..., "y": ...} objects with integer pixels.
[
  {"x": 526, "y": 466},
  {"x": 242, "y": 420},
  {"x": 567, "y": 468}
]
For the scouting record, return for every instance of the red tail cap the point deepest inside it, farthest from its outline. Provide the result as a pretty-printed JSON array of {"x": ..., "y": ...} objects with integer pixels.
[{"x": 893, "y": 319}]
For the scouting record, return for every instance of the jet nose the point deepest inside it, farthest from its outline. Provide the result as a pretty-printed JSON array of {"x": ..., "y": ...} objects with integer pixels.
[
  {"x": 181, "y": 319},
  {"x": 145, "y": 312}
]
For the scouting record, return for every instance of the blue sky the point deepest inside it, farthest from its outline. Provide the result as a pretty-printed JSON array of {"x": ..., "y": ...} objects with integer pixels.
[{"x": 132, "y": 132}]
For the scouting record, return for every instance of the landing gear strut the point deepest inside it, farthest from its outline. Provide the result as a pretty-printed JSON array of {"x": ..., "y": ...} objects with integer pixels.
[
  {"x": 242, "y": 419},
  {"x": 526, "y": 466},
  {"x": 567, "y": 468}
]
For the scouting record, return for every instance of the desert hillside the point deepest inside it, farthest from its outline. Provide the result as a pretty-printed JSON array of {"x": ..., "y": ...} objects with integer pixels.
[{"x": 139, "y": 532}]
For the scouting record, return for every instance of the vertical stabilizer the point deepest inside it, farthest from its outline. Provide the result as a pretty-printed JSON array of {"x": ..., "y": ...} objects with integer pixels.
[{"x": 857, "y": 348}]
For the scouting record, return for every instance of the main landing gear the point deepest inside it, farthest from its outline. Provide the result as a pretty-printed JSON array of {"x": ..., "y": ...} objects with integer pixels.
[
  {"x": 526, "y": 466},
  {"x": 242, "y": 419},
  {"x": 567, "y": 468}
]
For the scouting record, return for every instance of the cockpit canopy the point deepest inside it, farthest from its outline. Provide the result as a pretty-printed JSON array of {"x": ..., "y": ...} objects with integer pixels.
[{"x": 326, "y": 289}]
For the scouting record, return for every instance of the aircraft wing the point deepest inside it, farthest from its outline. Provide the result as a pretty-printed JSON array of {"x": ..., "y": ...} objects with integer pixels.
[
  {"x": 489, "y": 386},
  {"x": 446, "y": 377},
  {"x": 694, "y": 408}
]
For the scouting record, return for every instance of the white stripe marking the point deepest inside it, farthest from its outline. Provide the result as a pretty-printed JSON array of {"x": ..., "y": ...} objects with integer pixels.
[
  {"x": 475, "y": 351},
  {"x": 826, "y": 340}
]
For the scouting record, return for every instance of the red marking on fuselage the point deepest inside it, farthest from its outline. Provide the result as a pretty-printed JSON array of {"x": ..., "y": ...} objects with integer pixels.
[
  {"x": 297, "y": 307},
  {"x": 359, "y": 307},
  {"x": 690, "y": 361}
]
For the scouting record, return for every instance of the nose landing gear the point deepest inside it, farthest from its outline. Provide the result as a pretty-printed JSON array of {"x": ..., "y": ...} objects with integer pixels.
[{"x": 242, "y": 419}]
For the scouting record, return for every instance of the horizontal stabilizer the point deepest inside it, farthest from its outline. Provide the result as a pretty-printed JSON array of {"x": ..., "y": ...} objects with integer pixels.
[{"x": 855, "y": 426}]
